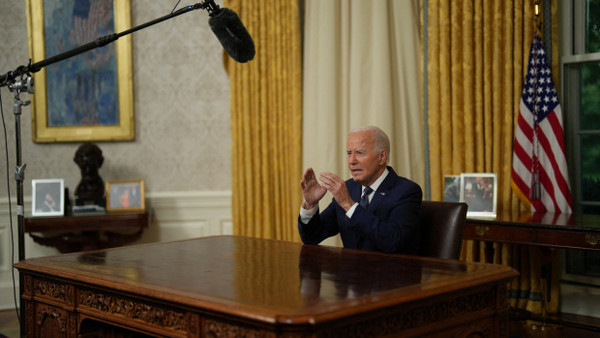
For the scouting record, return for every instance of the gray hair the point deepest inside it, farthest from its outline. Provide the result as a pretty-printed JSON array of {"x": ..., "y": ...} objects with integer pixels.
[{"x": 380, "y": 139}]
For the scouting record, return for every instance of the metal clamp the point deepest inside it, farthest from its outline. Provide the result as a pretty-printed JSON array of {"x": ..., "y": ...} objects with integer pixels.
[
  {"x": 592, "y": 239},
  {"x": 482, "y": 230}
]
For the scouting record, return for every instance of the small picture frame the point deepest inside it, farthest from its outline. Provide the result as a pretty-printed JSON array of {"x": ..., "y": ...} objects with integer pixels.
[
  {"x": 480, "y": 192},
  {"x": 452, "y": 188},
  {"x": 125, "y": 196},
  {"x": 48, "y": 197}
]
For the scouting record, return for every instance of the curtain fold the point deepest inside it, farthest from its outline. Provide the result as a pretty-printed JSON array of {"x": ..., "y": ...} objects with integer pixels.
[
  {"x": 477, "y": 54},
  {"x": 266, "y": 121}
]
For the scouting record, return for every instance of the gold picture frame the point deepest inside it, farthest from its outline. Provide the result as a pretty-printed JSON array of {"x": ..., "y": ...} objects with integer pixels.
[
  {"x": 125, "y": 196},
  {"x": 124, "y": 129}
]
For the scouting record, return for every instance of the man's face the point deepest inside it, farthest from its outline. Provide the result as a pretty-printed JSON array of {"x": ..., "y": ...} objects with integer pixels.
[{"x": 364, "y": 162}]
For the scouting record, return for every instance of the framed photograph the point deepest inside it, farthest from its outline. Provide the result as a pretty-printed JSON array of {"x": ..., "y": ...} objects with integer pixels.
[
  {"x": 480, "y": 192},
  {"x": 87, "y": 97},
  {"x": 452, "y": 188},
  {"x": 48, "y": 197},
  {"x": 125, "y": 196}
]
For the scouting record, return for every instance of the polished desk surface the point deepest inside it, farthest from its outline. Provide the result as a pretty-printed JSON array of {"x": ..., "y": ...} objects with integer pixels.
[{"x": 267, "y": 280}]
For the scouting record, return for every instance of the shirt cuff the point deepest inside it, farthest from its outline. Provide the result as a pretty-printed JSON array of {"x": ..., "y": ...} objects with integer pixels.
[
  {"x": 350, "y": 211},
  {"x": 306, "y": 215}
]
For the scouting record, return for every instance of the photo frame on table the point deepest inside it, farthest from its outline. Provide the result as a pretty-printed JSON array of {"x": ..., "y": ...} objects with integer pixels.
[
  {"x": 125, "y": 196},
  {"x": 87, "y": 97},
  {"x": 480, "y": 192},
  {"x": 452, "y": 188},
  {"x": 48, "y": 197}
]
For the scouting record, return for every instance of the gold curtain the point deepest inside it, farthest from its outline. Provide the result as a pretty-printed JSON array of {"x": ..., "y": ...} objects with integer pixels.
[
  {"x": 477, "y": 54},
  {"x": 266, "y": 121}
]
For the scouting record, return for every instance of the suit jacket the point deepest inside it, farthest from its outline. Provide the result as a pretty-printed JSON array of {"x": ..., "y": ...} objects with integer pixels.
[{"x": 390, "y": 223}]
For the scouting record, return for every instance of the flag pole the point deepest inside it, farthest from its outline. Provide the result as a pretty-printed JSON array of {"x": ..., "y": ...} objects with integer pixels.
[
  {"x": 535, "y": 193},
  {"x": 538, "y": 19}
]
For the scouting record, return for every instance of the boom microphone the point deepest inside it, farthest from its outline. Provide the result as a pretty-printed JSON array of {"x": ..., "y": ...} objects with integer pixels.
[
  {"x": 223, "y": 21},
  {"x": 232, "y": 34}
]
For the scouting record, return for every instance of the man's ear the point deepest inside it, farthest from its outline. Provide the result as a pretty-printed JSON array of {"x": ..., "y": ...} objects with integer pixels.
[{"x": 383, "y": 156}]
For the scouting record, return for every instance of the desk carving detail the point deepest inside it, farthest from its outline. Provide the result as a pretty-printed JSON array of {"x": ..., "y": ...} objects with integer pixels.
[
  {"x": 132, "y": 309},
  {"x": 49, "y": 289},
  {"x": 215, "y": 328},
  {"x": 592, "y": 239},
  {"x": 52, "y": 322}
]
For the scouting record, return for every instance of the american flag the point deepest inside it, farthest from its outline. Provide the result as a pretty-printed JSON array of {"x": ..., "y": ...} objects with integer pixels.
[{"x": 539, "y": 169}]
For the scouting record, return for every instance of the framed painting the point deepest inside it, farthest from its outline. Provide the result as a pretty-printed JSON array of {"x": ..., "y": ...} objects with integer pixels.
[
  {"x": 88, "y": 97},
  {"x": 480, "y": 192},
  {"x": 125, "y": 196},
  {"x": 48, "y": 197}
]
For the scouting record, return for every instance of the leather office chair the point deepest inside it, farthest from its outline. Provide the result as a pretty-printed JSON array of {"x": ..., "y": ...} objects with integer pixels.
[{"x": 442, "y": 225}]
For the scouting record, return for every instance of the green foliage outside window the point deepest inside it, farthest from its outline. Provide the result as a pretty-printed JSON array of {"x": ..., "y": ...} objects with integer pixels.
[{"x": 589, "y": 117}]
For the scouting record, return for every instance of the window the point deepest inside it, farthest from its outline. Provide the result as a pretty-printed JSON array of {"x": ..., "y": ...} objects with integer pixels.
[{"x": 581, "y": 100}]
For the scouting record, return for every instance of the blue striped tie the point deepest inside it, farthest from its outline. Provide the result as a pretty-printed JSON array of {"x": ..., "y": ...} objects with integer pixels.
[{"x": 364, "y": 200}]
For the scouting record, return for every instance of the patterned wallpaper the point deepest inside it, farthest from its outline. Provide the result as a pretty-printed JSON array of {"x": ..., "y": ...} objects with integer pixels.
[{"x": 183, "y": 137}]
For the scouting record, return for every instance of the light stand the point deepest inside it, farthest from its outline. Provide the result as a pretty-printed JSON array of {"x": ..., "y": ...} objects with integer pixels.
[
  {"x": 25, "y": 83},
  {"x": 20, "y": 80}
]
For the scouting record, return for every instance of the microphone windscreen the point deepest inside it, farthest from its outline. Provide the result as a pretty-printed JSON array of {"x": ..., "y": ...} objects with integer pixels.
[{"x": 232, "y": 34}]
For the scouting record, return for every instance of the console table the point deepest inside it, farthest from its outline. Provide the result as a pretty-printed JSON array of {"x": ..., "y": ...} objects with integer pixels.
[
  {"x": 90, "y": 232},
  {"x": 563, "y": 231},
  {"x": 230, "y": 286},
  {"x": 566, "y": 231}
]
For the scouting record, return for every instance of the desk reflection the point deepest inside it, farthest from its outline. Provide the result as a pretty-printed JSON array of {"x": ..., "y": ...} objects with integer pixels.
[{"x": 345, "y": 274}]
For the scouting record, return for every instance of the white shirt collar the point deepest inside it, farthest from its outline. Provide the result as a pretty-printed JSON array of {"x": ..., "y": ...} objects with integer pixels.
[{"x": 378, "y": 181}]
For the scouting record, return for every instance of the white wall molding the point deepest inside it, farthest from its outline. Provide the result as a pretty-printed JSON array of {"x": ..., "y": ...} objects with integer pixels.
[{"x": 180, "y": 215}]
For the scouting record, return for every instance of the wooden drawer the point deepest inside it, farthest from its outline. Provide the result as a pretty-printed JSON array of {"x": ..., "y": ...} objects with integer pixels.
[
  {"x": 570, "y": 239},
  {"x": 493, "y": 233}
]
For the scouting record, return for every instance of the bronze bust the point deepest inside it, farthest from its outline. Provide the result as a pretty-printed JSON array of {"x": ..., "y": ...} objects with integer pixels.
[{"x": 91, "y": 187}]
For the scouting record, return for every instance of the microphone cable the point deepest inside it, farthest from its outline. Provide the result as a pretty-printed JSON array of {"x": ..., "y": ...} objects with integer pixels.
[
  {"x": 12, "y": 236},
  {"x": 177, "y": 4}
]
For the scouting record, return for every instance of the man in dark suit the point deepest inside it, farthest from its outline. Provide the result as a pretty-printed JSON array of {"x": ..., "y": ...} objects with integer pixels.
[{"x": 386, "y": 219}]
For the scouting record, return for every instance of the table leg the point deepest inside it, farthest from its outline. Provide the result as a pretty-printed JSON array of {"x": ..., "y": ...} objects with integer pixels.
[{"x": 489, "y": 252}]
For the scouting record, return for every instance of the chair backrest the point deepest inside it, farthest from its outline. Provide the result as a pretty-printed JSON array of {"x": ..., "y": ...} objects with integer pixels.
[{"x": 442, "y": 225}]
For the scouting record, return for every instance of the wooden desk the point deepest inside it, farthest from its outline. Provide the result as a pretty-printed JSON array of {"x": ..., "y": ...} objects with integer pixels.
[
  {"x": 238, "y": 286},
  {"x": 83, "y": 233},
  {"x": 567, "y": 231}
]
